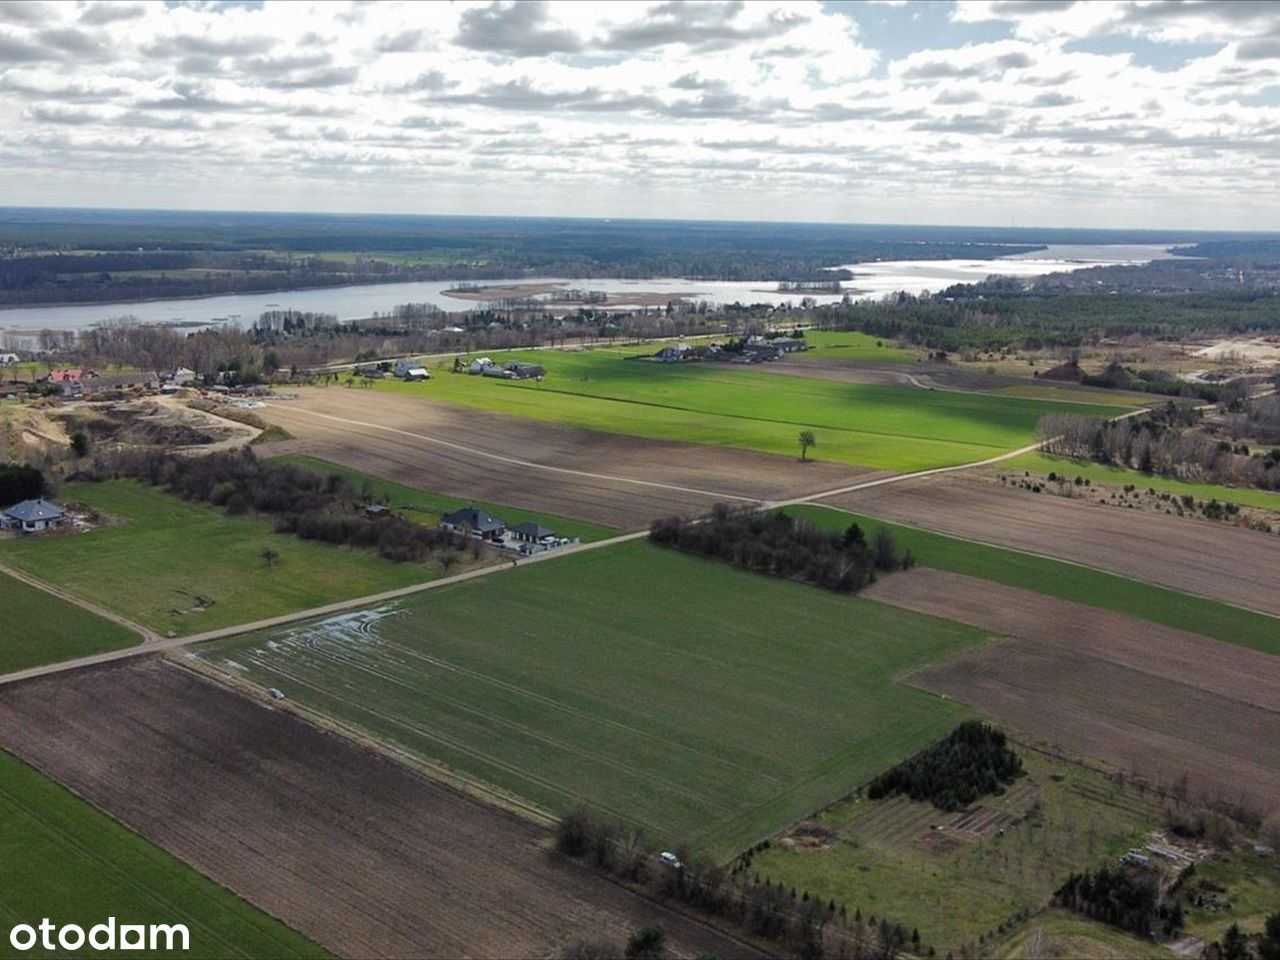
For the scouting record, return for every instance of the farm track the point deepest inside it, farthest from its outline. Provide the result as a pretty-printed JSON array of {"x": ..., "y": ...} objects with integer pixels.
[
  {"x": 1156, "y": 700},
  {"x": 352, "y": 849}
]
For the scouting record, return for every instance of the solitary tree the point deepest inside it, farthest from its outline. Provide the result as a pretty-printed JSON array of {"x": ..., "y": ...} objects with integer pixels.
[
  {"x": 270, "y": 556},
  {"x": 807, "y": 440},
  {"x": 80, "y": 443},
  {"x": 649, "y": 941}
]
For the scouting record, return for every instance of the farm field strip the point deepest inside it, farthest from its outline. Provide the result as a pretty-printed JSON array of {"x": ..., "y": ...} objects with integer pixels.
[
  {"x": 887, "y": 427},
  {"x": 40, "y": 627},
  {"x": 619, "y": 696},
  {"x": 104, "y": 869},
  {"x": 1202, "y": 559},
  {"x": 1065, "y": 579},
  {"x": 361, "y": 854}
]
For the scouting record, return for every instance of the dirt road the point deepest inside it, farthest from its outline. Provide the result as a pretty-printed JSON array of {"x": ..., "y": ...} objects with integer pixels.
[{"x": 357, "y": 852}]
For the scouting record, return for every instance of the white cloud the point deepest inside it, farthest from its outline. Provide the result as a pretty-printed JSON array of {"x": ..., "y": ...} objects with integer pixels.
[{"x": 765, "y": 109}]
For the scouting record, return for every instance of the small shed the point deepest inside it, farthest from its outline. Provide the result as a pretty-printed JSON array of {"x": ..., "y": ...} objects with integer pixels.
[
  {"x": 34, "y": 516},
  {"x": 416, "y": 373}
]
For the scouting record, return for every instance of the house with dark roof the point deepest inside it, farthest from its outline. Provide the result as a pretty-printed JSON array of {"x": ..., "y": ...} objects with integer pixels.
[
  {"x": 33, "y": 516},
  {"x": 534, "y": 533},
  {"x": 472, "y": 520}
]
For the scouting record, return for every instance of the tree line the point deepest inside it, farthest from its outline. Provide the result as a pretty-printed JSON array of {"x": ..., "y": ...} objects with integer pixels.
[
  {"x": 780, "y": 545},
  {"x": 307, "y": 504},
  {"x": 1170, "y": 443}
]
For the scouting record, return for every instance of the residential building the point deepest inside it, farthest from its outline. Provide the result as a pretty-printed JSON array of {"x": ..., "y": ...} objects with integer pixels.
[
  {"x": 33, "y": 516},
  {"x": 478, "y": 523}
]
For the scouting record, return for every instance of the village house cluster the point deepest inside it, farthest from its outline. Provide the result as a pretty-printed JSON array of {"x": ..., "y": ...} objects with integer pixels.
[
  {"x": 753, "y": 349},
  {"x": 525, "y": 538}
]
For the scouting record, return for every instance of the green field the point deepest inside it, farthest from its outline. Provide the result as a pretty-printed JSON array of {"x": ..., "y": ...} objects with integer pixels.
[
  {"x": 852, "y": 345},
  {"x": 1056, "y": 933},
  {"x": 40, "y": 628},
  {"x": 709, "y": 705},
  {"x": 154, "y": 567},
  {"x": 887, "y": 861},
  {"x": 893, "y": 428},
  {"x": 422, "y": 506},
  {"x": 1042, "y": 464},
  {"x": 62, "y": 859},
  {"x": 1069, "y": 581}
]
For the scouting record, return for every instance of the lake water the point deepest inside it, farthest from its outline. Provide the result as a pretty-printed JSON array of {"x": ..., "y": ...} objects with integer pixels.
[{"x": 871, "y": 280}]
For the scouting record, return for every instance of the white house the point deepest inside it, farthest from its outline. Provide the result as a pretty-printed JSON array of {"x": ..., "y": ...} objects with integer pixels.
[
  {"x": 8, "y": 359},
  {"x": 182, "y": 376}
]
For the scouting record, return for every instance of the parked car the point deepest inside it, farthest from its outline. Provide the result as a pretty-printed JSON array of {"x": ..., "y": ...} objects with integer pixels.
[{"x": 670, "y": 859}]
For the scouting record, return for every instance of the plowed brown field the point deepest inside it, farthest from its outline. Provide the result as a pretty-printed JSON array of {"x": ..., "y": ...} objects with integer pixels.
[
  {"x": 605, "y": 478},
  {"x": 1160, "y": 702},
  {"x": 357, "y": 852},
  {"x": 1197, "y": 556}
]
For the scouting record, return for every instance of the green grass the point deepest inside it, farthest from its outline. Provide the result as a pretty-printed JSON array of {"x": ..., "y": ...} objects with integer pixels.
[
  {"x": 885, "y": 427},
  {"x": 152, "y": 567},
  {"x": 1069, "y": 581},
  {"x": 1043, "y": 464},
  {"x": 64, "y": 860},
  {"x": 1253, "y": 889},
  {"x": 426, "y": 507},
  {"x": 963, "y": 889},
  {"x": 1065, "y": 935},
  {"x": 39, "y": 628},
  {"x": 709, "y": 705},
  {"x": 853, "y": 346},
  {"x": 1076, "y": 394}
]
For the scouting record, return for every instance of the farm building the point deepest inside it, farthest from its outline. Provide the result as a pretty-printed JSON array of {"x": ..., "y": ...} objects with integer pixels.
[
  {"x": 182, "y": 376},
  {"x": 520, "y": 370},
  {"x": 33, "y": 516},
  {"x": 674, "y": 353},
  {"x": 411, "y": 369},
  {"x": 141, "y": 380},
  {"x": 70, "y": 376},
  {"x": 478, "y": 523},
  {"x": 377, "y": 511},
  {"x": 8, "y": 359}
]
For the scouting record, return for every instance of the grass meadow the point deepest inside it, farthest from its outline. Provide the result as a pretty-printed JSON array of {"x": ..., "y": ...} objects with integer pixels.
[
  {"x": 1069, "y": 581},
  {"x": 188, "y": 567},
  {"x": 105, "y": 870},
  {"x": 709, "y": 705},
  {"x": 887, "y": 861},
  {"x": 39, "y": 628},
  {"x": 423, "y": 506},
  {"x": 883, "y": 427},
  {"x": 1043, "y": 464}
]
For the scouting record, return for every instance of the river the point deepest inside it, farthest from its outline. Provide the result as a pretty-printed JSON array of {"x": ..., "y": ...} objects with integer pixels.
[{"x": 871, "y": 280}]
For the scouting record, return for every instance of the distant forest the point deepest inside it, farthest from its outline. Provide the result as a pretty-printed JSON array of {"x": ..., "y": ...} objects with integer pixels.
[{"x": 69, "y": 256}]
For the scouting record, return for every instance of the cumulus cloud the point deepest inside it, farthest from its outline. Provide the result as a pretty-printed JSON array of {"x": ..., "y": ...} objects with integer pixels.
[{"x": 651, "y": 108}]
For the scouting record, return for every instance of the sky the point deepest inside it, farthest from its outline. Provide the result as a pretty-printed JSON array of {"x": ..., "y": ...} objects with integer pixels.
[{"x": 1144, "y": 113}]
